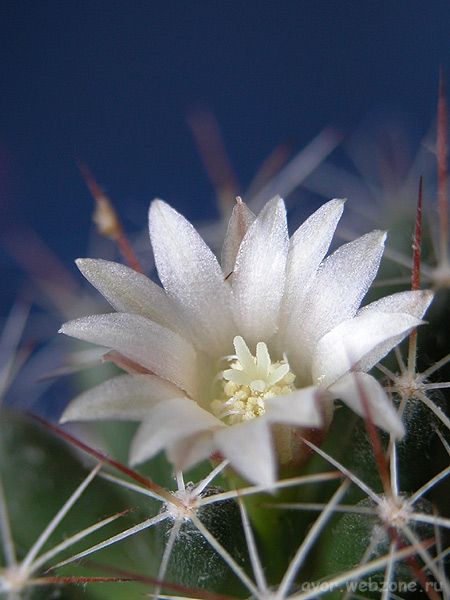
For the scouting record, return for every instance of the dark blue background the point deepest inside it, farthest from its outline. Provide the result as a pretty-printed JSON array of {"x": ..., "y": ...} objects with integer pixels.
[{"x": 112, "y": 82}]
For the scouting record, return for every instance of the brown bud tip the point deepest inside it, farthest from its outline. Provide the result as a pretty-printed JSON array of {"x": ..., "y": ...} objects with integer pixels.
[{"x": 105, "y": 218}]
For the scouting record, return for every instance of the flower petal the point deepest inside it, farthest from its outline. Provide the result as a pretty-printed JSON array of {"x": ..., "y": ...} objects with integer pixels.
[
  {"x": 189, "y": 451},
  {"x": 131, "y": 292},
  {"x": 126, "y": 397},
  {"x": 308, "y": 246},
  {"x": 354, "y": 388},
  {"x": 350, "y": 343},
  {"x": 241, "y": 219},
  {"x": 341, "y": 283},
  {"x": 249, "y": 448},
  {"x": 168, "y": 423},
  {"x": 301, "y": 408},
  {"x": 190, "y": 273},
  {"x": 156, "y": 348},
  {"x": 259, "y": 274},
  {"x": 413, "y": 303}
]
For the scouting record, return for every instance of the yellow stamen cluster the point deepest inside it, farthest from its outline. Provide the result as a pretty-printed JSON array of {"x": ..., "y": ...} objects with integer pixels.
[{"x": 250, "y": 380}]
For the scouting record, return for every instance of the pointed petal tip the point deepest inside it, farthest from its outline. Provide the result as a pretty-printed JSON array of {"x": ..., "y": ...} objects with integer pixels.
[
  {"x": 276, "y": 200},
  {"x": 380, "y": 235},
  {"x": 428, "y": 294},
  {"x": 250, "y": 450},
  {"x": 136, "y": 456},
  {"x": 280, "y": 201},
  {"x": 65, "y": 417},
  {"x": 82, "y": 261},
  {"x": 334, "y": 207},
  {"x": 70, "y": 414},
  {"x": 268, "y": 480},
  {"x": 66, "y": 327},
  {"x": 392, "y": 424},
  {"x": 158, "y": 203},
  {"x": 83, "y": 264},
  {"x": 398, "y": 430},
  {"x": 155, "y": 205},
  {"x": 63, "y": 328},
  {"x": 133, "y": 459},
  {"x": 376, "y": 238},
  {"x": 426, "y": 297},
  {"x": 275, "y": 208},
  {"x": 353, "y": 387}
]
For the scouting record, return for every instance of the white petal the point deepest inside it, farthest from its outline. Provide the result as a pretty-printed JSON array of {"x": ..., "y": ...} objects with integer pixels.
[
  {"x": 412, "y": 303},
  {"x": 241, "y": 219},
  {"x": 186, "y": 453},
  {"x": 131, "y": 292},
  {"x": 154, "y": 347},
  {"x": 249, "y": 447},
  {"x": 354, "y": 388},
  {"x": 300, "y": 408},
  {"x": 190, "y": 273},
  {"x": 168, "y": 423},
  {"x": 259, "y": 274},
  {"x": 126, "y": 397},
  {"x": 341, "y": 283},
  {"x": 308, "y": 246},
  {"x": 351, "y": 343}
]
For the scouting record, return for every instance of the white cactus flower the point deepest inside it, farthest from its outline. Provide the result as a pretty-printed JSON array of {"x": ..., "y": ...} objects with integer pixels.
[{"x": 224, "y": 360}]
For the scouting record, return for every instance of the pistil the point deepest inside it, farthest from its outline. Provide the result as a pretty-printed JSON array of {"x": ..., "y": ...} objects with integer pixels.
[{"x": 248, "y": 382}]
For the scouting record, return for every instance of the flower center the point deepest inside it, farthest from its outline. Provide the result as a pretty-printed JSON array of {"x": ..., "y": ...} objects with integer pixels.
[{"x": 250, "y": 380}]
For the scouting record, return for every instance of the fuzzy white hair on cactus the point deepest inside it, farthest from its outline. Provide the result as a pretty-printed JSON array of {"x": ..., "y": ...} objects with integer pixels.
[{"x": 232, "y": 359}]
